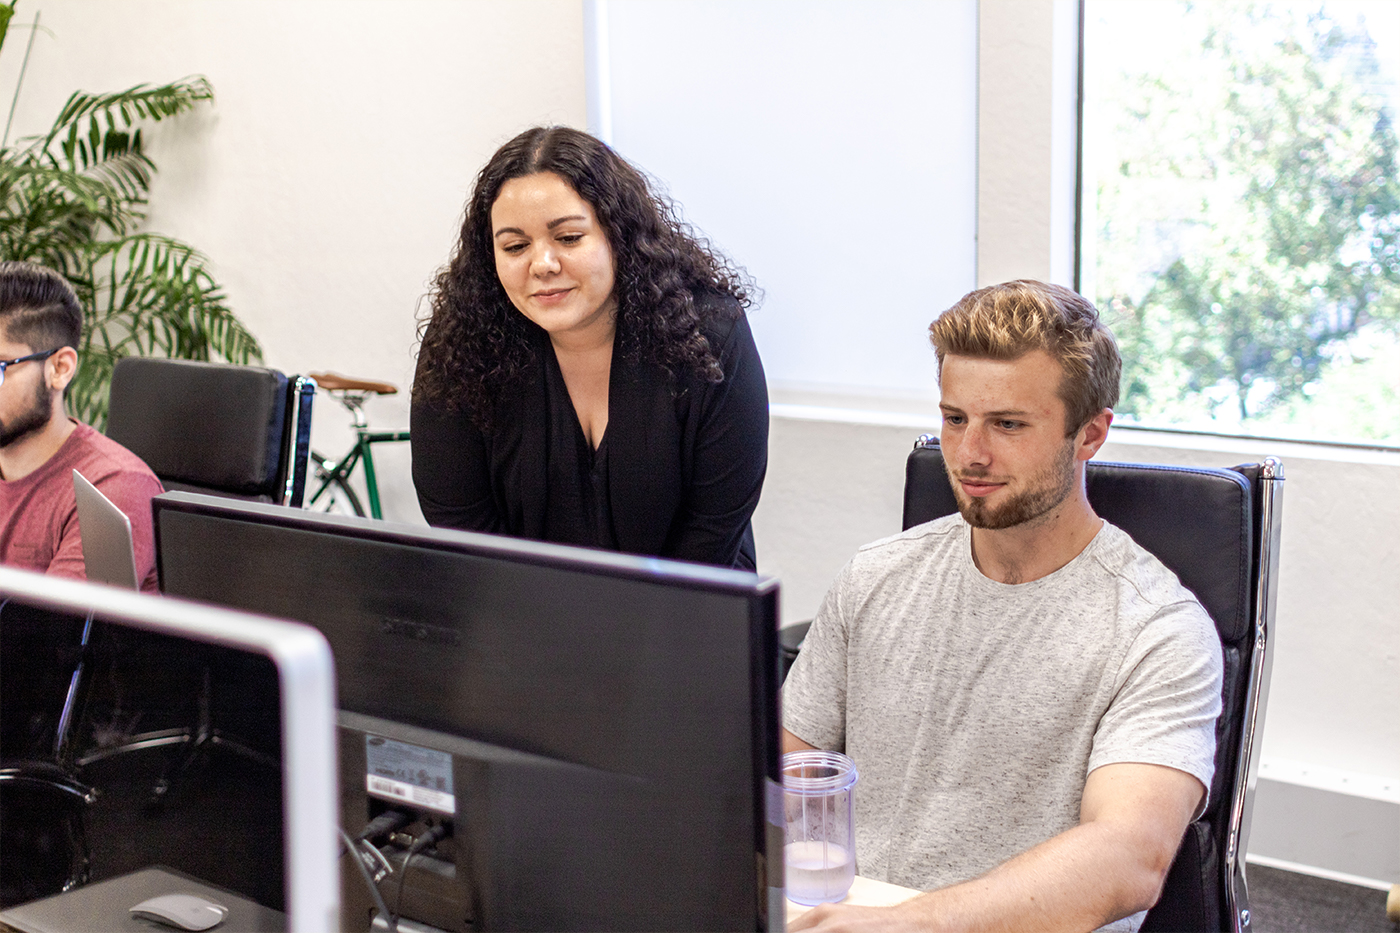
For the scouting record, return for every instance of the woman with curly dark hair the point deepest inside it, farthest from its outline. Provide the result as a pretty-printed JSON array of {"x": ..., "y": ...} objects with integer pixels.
[{"x": 587, "y": 375}]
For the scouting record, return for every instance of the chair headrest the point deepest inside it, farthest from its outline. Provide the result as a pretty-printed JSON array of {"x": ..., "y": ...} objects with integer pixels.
[{"x": 211, "y": 425}]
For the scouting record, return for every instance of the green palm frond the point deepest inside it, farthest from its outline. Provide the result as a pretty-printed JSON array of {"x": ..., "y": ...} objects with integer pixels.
[
  {"x": 150, "y": 295},
  {"x": 7, "y": 11},
  {"x": 73, "y": 199},
  {"x": 48, "y": 212},
  {"x": 128, "y": 173},
  {"x": 89, "y": 124},
  {"x": 98, "y": 135}
]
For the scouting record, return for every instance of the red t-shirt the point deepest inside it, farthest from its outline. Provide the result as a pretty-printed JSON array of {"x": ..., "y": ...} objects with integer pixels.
[{"x": 39, "y": 515}]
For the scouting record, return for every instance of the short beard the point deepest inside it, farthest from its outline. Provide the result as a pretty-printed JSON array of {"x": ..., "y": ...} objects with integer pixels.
[
  {"x": 1046, "y": 490},
  {"x": 29, "y": 422}
]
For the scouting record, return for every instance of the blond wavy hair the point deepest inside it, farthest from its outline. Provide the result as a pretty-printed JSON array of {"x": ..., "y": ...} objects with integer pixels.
[{"x": 1003, "y": 322}]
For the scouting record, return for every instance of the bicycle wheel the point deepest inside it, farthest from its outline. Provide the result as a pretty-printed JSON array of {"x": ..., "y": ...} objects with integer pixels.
[{"x": 334, "y": 497}]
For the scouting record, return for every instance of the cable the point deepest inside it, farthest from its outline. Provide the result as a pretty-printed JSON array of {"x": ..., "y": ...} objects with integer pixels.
[
  {"x": 372, "y": 850},
  {"x": 386, "y": 822},
  {"x": 369, "y": 882},
  {"x": 433, "y": 835}
]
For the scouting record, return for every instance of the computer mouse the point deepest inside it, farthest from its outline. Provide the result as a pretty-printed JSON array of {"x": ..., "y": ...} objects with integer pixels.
[{"x": 182, "y": 911}]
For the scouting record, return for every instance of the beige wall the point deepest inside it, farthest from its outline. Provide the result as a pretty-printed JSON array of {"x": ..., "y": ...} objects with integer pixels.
[{"x": 327, "y": 181}]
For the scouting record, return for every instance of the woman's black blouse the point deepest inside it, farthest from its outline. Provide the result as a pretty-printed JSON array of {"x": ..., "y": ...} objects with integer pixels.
[
  {"x": 578, "y": 510},
  {"x": 677, "y": 474}
]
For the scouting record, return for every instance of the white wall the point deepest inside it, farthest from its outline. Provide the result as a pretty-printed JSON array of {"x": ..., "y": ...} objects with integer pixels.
[
  {"x": 827, "y": 146},
  {"x": 327, "y": 180},
  {"x": 1331, "y": 742},
  {"x": 1027, "y": 83}
]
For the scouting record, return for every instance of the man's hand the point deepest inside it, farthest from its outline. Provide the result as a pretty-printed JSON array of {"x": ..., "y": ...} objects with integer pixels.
[{"x": 1113, "y": 864}]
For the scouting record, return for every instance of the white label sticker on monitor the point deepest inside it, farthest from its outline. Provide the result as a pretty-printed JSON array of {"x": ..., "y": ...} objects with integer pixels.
[{"x": 421, "y": 777}]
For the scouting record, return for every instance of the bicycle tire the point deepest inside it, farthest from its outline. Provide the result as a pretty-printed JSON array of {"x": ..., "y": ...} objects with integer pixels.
[{"x": 337, "y": 498}]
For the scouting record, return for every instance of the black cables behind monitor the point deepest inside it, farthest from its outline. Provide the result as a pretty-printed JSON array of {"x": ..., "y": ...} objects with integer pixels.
[
  {"x": 431, "y": 836},
  {"x": 352, "y": 846},
  {"x": 386, "y": 822},
  {"x": 365, "y": 851}
]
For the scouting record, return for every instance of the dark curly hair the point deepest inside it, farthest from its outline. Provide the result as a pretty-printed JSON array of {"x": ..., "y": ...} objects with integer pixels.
[{"x": 474, "y": 342}]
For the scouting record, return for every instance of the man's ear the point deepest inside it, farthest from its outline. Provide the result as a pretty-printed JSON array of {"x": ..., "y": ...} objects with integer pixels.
[
  {"x": 1092, "y": 436},
  {"x": 60, "y": 368}
]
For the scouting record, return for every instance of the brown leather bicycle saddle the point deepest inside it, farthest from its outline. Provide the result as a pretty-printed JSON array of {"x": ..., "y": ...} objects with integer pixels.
[{"x": 336, "y": 382}]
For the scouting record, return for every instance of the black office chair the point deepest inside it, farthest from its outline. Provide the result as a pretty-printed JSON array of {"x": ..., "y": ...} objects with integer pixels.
[
  {"x": 239, "y": 431},
  {"x": 43, "y": 801},
  {"x": 1218, "y": 531}
]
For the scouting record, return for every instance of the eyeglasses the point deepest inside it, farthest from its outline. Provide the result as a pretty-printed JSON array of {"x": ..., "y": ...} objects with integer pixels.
[{"x": 42, "y": 355}]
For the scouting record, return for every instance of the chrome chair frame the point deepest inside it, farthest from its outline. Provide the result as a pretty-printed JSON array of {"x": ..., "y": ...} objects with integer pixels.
[
  {"x": 1269, "y": 502},
  {"x": 296, "y": 451}
]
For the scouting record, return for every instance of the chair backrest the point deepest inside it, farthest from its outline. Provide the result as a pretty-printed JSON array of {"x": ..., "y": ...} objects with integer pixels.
[
  {"x": 239, "y": 431},
  {"x": 1218, "y": 531}
]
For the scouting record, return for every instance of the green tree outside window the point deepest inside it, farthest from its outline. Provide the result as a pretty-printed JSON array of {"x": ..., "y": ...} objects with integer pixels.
[{"x": 1244, "y": 216}]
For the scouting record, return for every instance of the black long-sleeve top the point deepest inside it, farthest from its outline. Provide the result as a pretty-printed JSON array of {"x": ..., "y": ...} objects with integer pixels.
[{"x": 677, "y": 474}]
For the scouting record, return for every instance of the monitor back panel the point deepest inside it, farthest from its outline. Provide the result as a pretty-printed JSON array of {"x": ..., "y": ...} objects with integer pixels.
[{"x": 610, "y": 733}]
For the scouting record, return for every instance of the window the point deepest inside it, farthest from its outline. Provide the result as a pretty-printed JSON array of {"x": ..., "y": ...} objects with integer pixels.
[{"x": 1241, "y": 213}]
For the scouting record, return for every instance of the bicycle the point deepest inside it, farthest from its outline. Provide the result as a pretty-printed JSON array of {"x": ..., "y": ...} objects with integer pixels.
[{"x": 330, "y": 487}]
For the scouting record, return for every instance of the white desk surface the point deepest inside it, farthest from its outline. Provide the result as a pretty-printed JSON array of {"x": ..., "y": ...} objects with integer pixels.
[{"x": 865, "y": 892}]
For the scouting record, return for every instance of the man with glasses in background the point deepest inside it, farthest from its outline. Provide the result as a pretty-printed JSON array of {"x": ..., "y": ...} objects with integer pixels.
[{"x": 41, "y": 323}]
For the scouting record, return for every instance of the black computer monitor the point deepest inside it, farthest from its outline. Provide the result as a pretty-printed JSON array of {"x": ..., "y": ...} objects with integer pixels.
[
  {"x": 598, "y": 732},
  {"x": 151, "y": 747}
]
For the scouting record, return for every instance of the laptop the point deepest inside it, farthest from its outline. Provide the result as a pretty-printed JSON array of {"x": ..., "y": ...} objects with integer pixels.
[{"x": 107, "y": 549}]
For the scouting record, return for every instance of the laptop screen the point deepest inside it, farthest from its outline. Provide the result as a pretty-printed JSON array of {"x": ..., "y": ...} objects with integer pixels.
[{"x": 108, "y": 553}]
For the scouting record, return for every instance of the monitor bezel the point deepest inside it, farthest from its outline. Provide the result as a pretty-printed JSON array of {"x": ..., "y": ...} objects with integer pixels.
[
  {"x": 716, "y": 579},
  {"x": 306, "y": 677}
]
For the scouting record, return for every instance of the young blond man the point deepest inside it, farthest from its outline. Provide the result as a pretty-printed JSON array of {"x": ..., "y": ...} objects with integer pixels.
[
  {"x": 41, "y": 324},
  {"x": 1029, "y": 696}
]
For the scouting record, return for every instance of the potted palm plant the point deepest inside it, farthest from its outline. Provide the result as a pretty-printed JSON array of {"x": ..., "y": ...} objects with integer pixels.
[{"x": 74, "y": 198}]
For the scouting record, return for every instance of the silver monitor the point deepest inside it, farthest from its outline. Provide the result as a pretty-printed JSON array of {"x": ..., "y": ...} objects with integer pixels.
[{"x": 109, "y": 695}]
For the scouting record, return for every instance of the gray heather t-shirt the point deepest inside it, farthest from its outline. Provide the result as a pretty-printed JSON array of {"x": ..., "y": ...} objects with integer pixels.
[{"x": 975, "y": 710}]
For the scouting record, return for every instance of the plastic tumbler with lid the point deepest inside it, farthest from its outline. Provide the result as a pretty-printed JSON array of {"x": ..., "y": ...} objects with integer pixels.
[{"x": 819, "y": 807}]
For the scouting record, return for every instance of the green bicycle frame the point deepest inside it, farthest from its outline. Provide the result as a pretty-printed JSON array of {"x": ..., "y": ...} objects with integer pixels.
[{"x": 362, "y": 453}]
